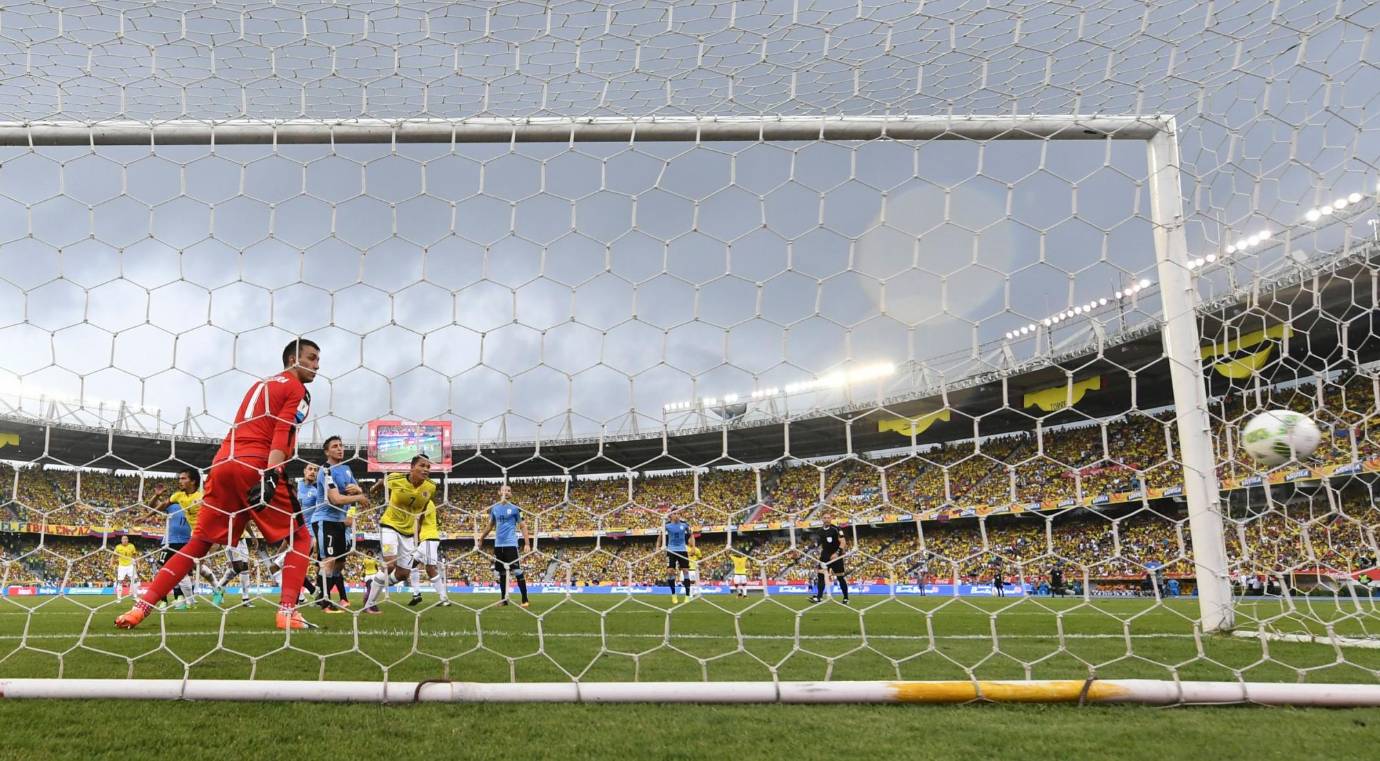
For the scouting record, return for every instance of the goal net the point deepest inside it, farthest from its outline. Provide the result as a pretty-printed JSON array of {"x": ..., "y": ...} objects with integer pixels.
[{"x": 939, "y": 327}]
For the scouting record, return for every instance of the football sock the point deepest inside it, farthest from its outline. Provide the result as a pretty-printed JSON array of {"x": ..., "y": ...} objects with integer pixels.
[
  {"x": 819, "y": 585},
  {"x": 174, "y": 570},
  {"x": 377, "y": 583},
  {"x": 843, "y": 587},
  {"x": 295, "y": 568},
  {"x": 338, "y": 583},
  {"x": 522, "y": 583},
  {"x": 686, "y": 583}
]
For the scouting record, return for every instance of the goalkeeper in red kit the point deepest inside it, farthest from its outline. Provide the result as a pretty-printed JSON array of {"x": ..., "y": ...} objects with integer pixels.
[{"x": 246, "y": 482}]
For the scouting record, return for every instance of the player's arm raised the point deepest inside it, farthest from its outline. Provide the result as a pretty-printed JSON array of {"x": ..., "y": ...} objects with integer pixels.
[{"x": 156, "y": 500}]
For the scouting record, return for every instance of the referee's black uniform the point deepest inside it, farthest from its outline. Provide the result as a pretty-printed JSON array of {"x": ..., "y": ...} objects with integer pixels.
[
  {"x": 831, "y": 558},
  {"x": 998, "y": 585}
]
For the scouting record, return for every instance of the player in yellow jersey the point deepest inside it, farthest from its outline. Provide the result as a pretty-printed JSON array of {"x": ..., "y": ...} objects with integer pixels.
[
  {"x": 741, "y": 568},
  {"x": 125, "y": 570},
  {"x": 695, "y": 553},
  {"x": 429, "y": 555},
  {"x": 408, "y": 495},
  {"x": 182, "y": 508}
]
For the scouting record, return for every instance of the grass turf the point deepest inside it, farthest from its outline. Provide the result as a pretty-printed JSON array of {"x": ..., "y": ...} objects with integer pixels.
[{"x": 597, "y": 638}]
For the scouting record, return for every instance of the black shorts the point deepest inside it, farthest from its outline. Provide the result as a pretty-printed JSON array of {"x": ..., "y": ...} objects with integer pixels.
[
  {"x": 171, "y": 550},
  {"x": 505, "y": 558},
  {"x": 833, "y": 564},
  {"x": 677, "y": 559},
  {"x": 330, "y": 539}
]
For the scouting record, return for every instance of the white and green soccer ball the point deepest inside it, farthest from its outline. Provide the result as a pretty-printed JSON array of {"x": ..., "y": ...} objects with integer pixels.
[{"x": 1278, "y": 436}]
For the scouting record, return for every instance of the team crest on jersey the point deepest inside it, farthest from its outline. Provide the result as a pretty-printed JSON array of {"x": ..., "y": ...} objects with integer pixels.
[{"x": 303, "y": 407}]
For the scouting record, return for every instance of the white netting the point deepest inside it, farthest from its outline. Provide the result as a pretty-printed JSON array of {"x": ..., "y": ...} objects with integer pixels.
[{"x": 950, "y": 344}]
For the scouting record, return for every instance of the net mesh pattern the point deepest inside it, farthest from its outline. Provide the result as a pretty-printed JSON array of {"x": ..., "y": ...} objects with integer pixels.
[{"x": 948, "y": 347}]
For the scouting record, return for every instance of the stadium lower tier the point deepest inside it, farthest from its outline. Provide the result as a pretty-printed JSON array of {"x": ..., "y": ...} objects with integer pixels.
[{"x": 1303, "y": 542}]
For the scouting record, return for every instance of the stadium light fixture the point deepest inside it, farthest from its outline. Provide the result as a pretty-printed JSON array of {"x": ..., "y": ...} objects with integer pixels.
[
  {"x": 836, "y": 379},
  {"x": 1078, "y": 310},
  {"x": 1314, "y": 214}
]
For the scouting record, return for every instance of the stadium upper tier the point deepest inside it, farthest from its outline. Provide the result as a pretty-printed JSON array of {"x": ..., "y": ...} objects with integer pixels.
[{"x": 1326, "y": 305}]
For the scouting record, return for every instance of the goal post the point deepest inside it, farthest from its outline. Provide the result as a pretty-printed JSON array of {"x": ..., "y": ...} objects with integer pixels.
[
  {"x": 1180, "y": 301},
  {"x": 1177, "y": 291}
]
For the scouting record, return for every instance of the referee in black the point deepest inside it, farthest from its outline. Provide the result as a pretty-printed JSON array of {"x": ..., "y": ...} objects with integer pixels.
[
  {"x": 998, "y": 583},
  {"x": 832, "y": 547}
]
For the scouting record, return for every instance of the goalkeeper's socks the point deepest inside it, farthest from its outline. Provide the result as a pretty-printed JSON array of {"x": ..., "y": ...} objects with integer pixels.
[{"x": 843, "y": 587}]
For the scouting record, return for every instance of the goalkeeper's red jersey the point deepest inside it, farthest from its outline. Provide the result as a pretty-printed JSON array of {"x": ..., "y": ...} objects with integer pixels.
[{"x": 267, "y": 419}]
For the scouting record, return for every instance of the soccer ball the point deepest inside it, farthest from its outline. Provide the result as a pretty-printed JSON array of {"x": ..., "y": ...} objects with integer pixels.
[{"x": 1275, "y": 437}]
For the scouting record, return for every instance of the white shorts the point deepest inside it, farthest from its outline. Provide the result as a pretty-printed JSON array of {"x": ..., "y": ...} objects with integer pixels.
[
  {"x": 739, "y": 578},
  {"x": 694, "y": 575},
  {"x": 123, "y": 572},
  {"x": 402, "y": 549},
  {"x": 239, "y": 553},
  {"x": 429, "y": 552}
]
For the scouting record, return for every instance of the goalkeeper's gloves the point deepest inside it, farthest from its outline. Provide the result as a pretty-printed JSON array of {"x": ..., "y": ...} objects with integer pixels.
[{"x": 261, "y": 493}]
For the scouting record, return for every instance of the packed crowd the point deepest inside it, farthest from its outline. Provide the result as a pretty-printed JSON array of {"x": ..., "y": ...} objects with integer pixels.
[
  {"x": 1294, "y": 537},
  {"x": 1121, "y": 454}
]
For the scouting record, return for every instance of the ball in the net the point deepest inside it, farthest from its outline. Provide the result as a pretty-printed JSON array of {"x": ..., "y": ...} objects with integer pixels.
[{"x": 1278, "y": 436}]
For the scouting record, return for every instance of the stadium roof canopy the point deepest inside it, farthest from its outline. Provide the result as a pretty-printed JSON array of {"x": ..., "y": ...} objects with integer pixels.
[{"x": 1330, "y": 307}]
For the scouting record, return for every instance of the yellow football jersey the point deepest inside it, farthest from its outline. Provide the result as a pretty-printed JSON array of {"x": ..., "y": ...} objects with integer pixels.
[
  {"x": 405, "y": 503},
  {"x": 430, "y": 527},
  {"x": 371, "y": 566},
  {"x": 125, "y": 554},
  {"x": 740, "y": 565},
  {"x": 191, "y": 504},
  {"x": 695, "y": 555}
]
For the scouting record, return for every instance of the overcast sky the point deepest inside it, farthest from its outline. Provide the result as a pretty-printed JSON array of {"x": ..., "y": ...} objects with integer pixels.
[{"x": 520, "y": 282}]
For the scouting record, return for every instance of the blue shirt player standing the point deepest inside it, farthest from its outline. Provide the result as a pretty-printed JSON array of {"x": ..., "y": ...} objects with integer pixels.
[
  {"x": 506, "y": 522},
  {"x": 336, "y": 492},
  {"x": 677, "y": 539}
]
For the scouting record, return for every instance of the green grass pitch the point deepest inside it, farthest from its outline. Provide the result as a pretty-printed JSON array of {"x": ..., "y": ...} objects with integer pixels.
[{"x": 600, "y": 638}]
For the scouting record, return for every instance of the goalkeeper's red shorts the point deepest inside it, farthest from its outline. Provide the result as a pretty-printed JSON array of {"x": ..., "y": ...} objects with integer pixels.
[{"x": 225, "y": 508}]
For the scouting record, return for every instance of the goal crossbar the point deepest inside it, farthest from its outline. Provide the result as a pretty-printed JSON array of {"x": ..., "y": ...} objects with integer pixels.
[{"x": 575, "y": 130}]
